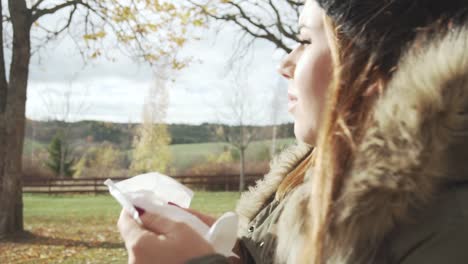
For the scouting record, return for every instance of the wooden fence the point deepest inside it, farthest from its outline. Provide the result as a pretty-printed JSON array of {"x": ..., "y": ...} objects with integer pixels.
[{"x": 96, "y": 185}]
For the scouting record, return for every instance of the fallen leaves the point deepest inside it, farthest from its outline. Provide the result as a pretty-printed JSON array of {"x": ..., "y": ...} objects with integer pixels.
[{"x": 82, "y": 242}]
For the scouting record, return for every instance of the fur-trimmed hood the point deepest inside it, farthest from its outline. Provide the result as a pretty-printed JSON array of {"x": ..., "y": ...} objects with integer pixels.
[
  {"x": 417, "y": 143},
  {"x": 252, "y": 201}
]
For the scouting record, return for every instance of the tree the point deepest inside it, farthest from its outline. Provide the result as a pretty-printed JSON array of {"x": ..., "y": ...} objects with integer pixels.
[
  {"x": 151, "y": 146},
  {"x": 271, "y": 20},
  {"x": 59, "y": 161},
  {"x": 100, "y": 161},
  {"x": 278, "y": 103},
  {"x": 61, "y": 108},
  {"x": 146, "y": 30},
  {"x": 238, "y": 116}
]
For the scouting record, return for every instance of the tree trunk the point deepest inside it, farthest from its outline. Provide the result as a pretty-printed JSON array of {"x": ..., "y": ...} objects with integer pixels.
[
  {"x": 242, "y": 170},
  {"x": 273, "y": 141},
  {"x": 11, "y": 203},
  {"x": 3, "y": 96},
  {"x": 62, "y": 158}
]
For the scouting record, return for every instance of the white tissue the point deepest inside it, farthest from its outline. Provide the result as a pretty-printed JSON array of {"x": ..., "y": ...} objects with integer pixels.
[{"x": 153, "y": 191}]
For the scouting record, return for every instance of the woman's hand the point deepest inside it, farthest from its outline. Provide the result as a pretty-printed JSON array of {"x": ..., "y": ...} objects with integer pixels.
[
  {"x": 208, "y": 220},
  {"x": 160, "y": 240}
]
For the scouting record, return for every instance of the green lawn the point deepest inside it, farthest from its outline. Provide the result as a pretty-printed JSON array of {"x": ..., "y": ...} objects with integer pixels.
[{"x": 81, "y": 228}]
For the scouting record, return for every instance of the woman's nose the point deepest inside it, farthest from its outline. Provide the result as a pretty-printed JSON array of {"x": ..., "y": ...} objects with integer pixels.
[{"x": 287, "y": 66}]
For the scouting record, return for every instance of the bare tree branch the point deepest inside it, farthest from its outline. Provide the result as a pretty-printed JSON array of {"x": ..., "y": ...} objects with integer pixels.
[
  {"x": 54, "y": 33},
  {"x": 69, "y": 21},
  {"x": 36, "y": 5},
  {"x": 238, "y": 114},
  {"x": 279, "y": 23},
  {"x": 38, "y": 13},
  {"x": 275, "y": 29}
]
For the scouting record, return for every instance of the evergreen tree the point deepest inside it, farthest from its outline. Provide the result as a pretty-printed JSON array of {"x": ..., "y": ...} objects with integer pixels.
[{"x": 57, "y": 152}]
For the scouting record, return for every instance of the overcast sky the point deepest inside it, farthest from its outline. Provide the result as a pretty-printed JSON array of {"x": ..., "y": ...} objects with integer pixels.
[{"x": 115, "y": 91}]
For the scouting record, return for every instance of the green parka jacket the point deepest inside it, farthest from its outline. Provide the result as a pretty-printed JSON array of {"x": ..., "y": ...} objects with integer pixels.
[{"x": 406, "y": 197}]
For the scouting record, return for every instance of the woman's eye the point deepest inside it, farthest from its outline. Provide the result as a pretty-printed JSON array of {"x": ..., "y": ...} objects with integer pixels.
[{"x": 304, "y": 42}]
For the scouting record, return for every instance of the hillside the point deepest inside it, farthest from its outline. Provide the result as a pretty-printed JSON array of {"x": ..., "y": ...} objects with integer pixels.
[{"x": 121, "y": 135}]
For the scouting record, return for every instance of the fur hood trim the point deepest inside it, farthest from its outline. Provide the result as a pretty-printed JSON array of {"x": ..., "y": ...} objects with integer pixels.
[{"x": 255, "y": 199}]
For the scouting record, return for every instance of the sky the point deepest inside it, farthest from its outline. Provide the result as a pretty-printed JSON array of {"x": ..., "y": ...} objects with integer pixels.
[{"x": 115, "y": 91}]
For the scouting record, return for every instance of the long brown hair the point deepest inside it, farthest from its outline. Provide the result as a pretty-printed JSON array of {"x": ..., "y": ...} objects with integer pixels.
[
  {"x": 363, "y": 65},
  {"x": 347, "y": 111}
]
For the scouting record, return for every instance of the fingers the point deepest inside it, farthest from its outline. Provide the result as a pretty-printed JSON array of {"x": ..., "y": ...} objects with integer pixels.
[
  {"x": 129, "y": 229},
  {"x": 161, "y": 225},
  {"x": 126, "y": 223},
  {"x": 158, "y": 238},
  {"x": 208, "y": 220},
  {"x": 154, "y": 223}
]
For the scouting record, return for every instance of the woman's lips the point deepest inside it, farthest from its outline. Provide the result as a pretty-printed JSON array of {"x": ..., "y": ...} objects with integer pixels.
[{"x": 292, "y": 101}]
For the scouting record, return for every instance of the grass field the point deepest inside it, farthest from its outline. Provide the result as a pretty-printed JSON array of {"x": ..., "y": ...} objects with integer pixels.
[{"x": 82, "y": 228}]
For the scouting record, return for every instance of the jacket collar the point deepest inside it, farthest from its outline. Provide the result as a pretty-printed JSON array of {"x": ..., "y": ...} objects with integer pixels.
[{"x": 252, "y": 201}]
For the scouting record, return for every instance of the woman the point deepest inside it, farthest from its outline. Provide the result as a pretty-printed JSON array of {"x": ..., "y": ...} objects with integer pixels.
[{"x": 381, "y": 89}]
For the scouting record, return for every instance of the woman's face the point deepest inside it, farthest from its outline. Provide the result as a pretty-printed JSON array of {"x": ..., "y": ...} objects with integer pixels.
[{"x": 308, "y": 69}]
